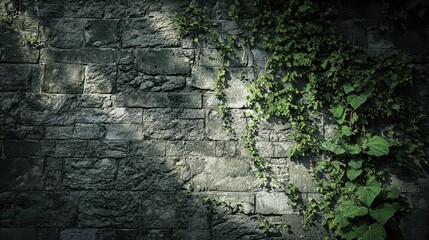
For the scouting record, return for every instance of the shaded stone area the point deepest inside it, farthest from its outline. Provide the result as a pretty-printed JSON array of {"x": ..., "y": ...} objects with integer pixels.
[{"x": 107, "y": 120}]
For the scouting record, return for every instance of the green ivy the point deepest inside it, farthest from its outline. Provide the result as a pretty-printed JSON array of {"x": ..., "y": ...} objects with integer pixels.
[{"x": 349, "y": 110}]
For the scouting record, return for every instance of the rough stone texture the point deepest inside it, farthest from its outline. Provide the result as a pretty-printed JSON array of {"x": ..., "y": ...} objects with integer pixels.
[{"x": 108, "y": 119}]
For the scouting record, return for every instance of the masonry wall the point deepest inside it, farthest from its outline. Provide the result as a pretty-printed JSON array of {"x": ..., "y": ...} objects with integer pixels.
[{"x": 105, "y": 122}]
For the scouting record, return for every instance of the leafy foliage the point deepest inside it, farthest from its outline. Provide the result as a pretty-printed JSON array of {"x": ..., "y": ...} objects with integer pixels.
[{"x": 315, "y": 78}]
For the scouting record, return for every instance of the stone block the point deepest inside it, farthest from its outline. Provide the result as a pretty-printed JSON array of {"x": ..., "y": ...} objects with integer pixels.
[
  {"x": 161, "y": 124},
  {"x": 147, "y": 148},
  {"x": 231, "y": 149},
  {"x": 77, "y": 148},
  {"x": 110, "y": 115},
  {"x": 156, "y": 30},
  {"x": 192, "y": 129},
  {"x": 63, "y": 78},
  {"x": 109, "y": 209},
  {"x": 161, "y": 61},
  {"x": 53, "y": 173},
  {"x": 28, "y": 233},
  {"x": 84, "y": 9},
  {"x": 239, "y": 201},
  {"x": 50, "y": 9},
  {"x": 272, "y": 203},
  {"x": 19, "y": 55},
  {"x": 89, "y": 131},
  {"x": 27, "y": 148},
  {"x": 114, "y": 149},
  {"x": 59, "y": 132},
  {"x": 157, "y": 175},
  {"x": 222, "y": 174},
  {"x": 190, "y": 148},
  {"x": 192, "y": 114},
  {"x": 101, "y": 32},
  {"x": 78, "y": 234},
  {"x": 191, "y": 234},
  {"x": 230, "y": 227},
  {"x": 100, "y": 78},
  {"x": 134, "y": 234},
  {"x": 7, "y": 208},
  {"x": 185, "y": 100},
  {"x": 124, "y": 132},
  {"x": 145, "y": 100},
  {"x": 9, "y": 108},
  {"x": 126, "y": 9},
  {"x": 17, "y": 77},
  {"x": 203, "y": 77},
  {"x": 46, "y": 209},
  {"x": 21, "y": 174},
  {"x": 214, "y": 129},
  {"x": 209, "y": 57},
  {"x": 95, "y": 100},
  {"x": 258, "y": 58},
  {"x": 63, "y": 33},
  {"x": 89, "y": 173},
  {"x": 78, "y": 56},
  {"x": 299, "y": 175},
  {"x": 132, "y": 81}
]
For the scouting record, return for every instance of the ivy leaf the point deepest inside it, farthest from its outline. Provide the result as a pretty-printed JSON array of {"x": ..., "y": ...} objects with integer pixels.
[
  {"x": 352, "y": 149},
  {"x": 341, "y": 220},
  {"x": 354, "y": 232},
  {"x": 392, "y": 81},
  {"x": 335, "y": 148},
  {"x": 350, "y": 210},
  {"x": 337, "y": 111},
  {"x": 304, "y": 8},
  {"x": 350, "y": 187},
  {"x": 368, "y": 193},
  {"x": 422, "y": 12},
  {"x": 383, "y": 212},
  {"x": 355, "y": 164},
  {"x": 392, "y": 192},
  {"x": 346, "y": 131},
  {"x": 352, "y": 174},
  {"x": 374, "y": 232},
  {"x": 348, "y": 87},
  {"x": 355, "y": 101},
  {"x": 377, "y": 146}
]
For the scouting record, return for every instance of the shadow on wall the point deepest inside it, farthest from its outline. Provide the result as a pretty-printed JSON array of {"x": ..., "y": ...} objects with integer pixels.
[{"x": 100, "y": 132}]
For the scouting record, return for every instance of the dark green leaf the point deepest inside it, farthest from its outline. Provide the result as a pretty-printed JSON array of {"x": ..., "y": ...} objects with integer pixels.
[
  {"x": 352, "y": 174},
  {"x": 354, "y": 232},
  {"x": 335, "y": 148},
  {"x": 348, "y": 87},
  {"x": 346, "y": 131},
  {"x": 392, "y": 192},
  {"x": 352, "y": 149},
  {"x": 375, "y": 232},
  {"x": 355, "y": 164},
  {"x": 337, "y": 111},
  {"x": 377, "y": 146},
  {"x": 368, "y": 193},
  {"x": 351, "y": 210},
  {"x": 383, "y": 213},
  {"x": 350, "y": 187},
  {"x": 356, "y": 101}
]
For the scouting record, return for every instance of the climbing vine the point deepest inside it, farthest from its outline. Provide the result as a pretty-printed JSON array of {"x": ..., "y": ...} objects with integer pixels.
[{"x": 352, "y": 112}]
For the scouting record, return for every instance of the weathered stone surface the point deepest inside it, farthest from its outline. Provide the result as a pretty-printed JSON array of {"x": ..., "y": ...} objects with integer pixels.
[
  {"x": 147, "y": 148},
  {"x": 63, "y": 78},
  {"x": 7, "y": 210},
  {"x": 231, "y": 227},
  {"x": 162, "y": 61},
  {"x": 145, "y": 100},
  {"x": 109, "y": 209},
  {"x": 9, "y": 108},
  {"x": 46, "y": 209},
  {"x": 191, "y": 234},
  {"x": 114, "y": 149},
  {"x": 28, "y": 233},
  {"x": 77, "y": 148},
  {"x": 78, "y": 234},
  {"x": 78, "y": 56},
  {"x": 60, "y": 132},
  {"x": 125, "y": 8},
  {"x": 21, "y": 174},
  {"x": 88, "y": 131},
  {"x": 161, "y": 124},
  {"x": 190, "y": 148},
  {"x": 27, "y": 148},
  {"x": 110, "y": 115},
  {"x": 300, "y": 176},
  {"x": 214, "y": 129},
  {"x": 131, "y": 234},
  {"x": 94, "y": 101},
  {"x": 124, "y": 132},
  {"x": 209, "y": 57},
  {"x": 272, "y": 203},
  {"x": 101, "y": 32},
  {"x": 89, "y": 173},
  {"x": 258, "y": 58},
  {"x": 17, "y": 77},
  {"x": 231, "y": 149},
  {"x": 19, "y": 55},
  {"x": 236, "y": 91},
  {"x": 82, "y": 8},
  {"x": 154, "y": 171},
  {"x": 203, "y": 77},
  {"x": 131, "y": 81},
  {"x": 239, "y": 201},
  {"x": 192, "y": 114},
  {"x": 53, "y": 173},
  {"x": 151, "y": 31},
  {"x": 63, "y": 33},
  {"x": 185, "y": 100},
  {"x": 100, "y": 78}
]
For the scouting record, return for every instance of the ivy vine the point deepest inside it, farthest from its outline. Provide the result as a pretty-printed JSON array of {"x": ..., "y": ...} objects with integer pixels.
[{"x": 351, "y": 111}]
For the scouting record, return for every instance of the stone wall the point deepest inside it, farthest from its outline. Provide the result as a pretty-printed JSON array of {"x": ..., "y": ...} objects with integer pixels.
[{"x": 110, "y": 116}]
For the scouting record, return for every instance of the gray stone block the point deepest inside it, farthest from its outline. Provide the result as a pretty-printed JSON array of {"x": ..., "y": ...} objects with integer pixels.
[
  {"x": 272, "y": 203},
  {"x": 185, "y": 100},
  {"x": 203, "y": 77},
  {"x": 60, "y": 132},
  {"x": 192, "y": 114},
  {"x": 94, "y": 101},
  {"x": 21, "y": 174},
  {"x": 9, "y": 108},
  {"x": 89, "y": 131},
  {"x": 63, "y": 33},
  {"x": 145, "y": 100},
  {"x": 7, "y": 208},
  {"x": 190, "y": 148},
  {"x": 239, "y": 201},
  {"x": 299, "y": 175},
  {"x": 27, "y": 148},
  {"x": 100, "y": 78},
  {"x": 156, "y": 30},
  {"x": 84, "y": 9},
  {"x": 147, "y": 148},
  {"x": 78, "y": 234},
  {"x": 132, "y": 81},
  {"x": 89, "y": 173},
  {"x": 46, "y": 209},
  {"x": 124, "y": 132},
  {"x": 110, "y": 115},
  {"x": 161, "y": 123},
  {"x": 50, "y": 9},
  {"x": 114, "y": 149},
  {"x": 156, "y": 172},
  {"x": 133, "y": 234},
  {"x": 101, "y": 32},
  {"x": 109, "y": 209},
  {"x": 76, "y": 148},
  {"x": 214, "y": 129},
  {"x": 53, "y": 173},
  {"x": 161, "y": 61},
  {"x": 125, "y": 8},
  {"x": 17, "y": 77},
  {"x": 28, "y": 233},
  {"x": 78, "y": 56},
  {"x": 63, "y": 78},
  {"x": 19, "y": 55},
  {"x": 231, "y": 227}
]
